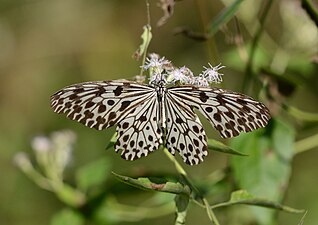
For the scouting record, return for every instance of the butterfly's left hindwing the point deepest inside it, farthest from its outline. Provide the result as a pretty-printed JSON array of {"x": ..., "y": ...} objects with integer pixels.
[{"x": 185, "y": 133}]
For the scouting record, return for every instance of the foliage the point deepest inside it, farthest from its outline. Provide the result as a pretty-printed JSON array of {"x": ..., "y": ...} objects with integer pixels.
[{"x": 256, "y": 175}]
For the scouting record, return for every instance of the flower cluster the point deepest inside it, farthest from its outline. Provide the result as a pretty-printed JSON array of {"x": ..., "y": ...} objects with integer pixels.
[
  {"x": 52, "y": 154},
  {"x": 158, "y": 68},
  {"x": 162, "y": 70}
]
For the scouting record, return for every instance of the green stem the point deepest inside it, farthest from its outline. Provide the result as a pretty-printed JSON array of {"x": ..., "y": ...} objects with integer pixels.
[
  {"x": 311, "y": 11},
  {"x": 262, "y": 203},
  {"x": 211, "y": 45},
  {"x": 184, "y": 174},
  {"x": 306, "y": 144},
  {"x": 147, "y": 41},
  {"x": 301, "y": 222},
  {"x": 299, "y": 114},
  {"x": 210, "y": 212},
  {"x": 177, "y": 165},
  {"x": 249, "y": 73}
]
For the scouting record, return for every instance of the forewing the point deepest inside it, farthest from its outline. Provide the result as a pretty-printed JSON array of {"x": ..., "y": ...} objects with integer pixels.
[
  {"x": 100, "y": 104},
  {"x": 229, "y": 112},
  {"x": 185, "y": 133},
  {"x": 139, "y": 133}
]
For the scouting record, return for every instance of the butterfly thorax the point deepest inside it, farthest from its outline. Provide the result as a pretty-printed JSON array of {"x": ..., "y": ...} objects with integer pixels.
[{"x": 161, "y": 89}]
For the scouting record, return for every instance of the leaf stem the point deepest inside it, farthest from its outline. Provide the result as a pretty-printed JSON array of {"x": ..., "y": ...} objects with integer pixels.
[
  {"x": 306, "y": 144},
  {"x": 212, "y": 50},
  {"x": 177, "y": 165},
  {"x": 260, "y": 203},
  {"x": 249, "y": 73},
  {"x": 184, "y": 174},
  {"x": 299, "y": 114},
  {"x": 210, "y": 212}
]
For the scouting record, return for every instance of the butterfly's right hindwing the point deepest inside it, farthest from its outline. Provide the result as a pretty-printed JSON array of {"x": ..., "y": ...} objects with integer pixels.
[{"x": 139, "y": 133}]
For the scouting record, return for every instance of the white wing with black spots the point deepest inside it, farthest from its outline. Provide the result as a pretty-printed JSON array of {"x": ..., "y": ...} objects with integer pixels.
[
  {"x": 139, "y": 132},
  {"x": 100, "y": 104},
  {"x": 229, "y": 112},
  {"x": 185, "y": 133}
]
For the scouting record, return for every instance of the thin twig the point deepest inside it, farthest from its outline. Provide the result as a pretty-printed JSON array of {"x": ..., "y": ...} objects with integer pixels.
[
  {"x": 311, "y": 11},
  {"x": 146, "y": 47},
  {"x": 306, "y": 144},
  {"x": 249, "y": 73}
]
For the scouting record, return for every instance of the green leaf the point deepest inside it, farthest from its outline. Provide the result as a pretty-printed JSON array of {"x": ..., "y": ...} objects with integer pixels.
[
  {"x": 155, "y": 184},
  {"x": 220, "y": 147},
  {"x": 240, "y": 195},
  {"x": 112, "y": 212},
  {"x": 266, "y": 171},
  {"x": 146, "y": 38},
  {"x": 69, "y": 195},
  {"x": 112, "y": 141},
  {"x": 182, "y": 202},
  {"x": 243, "y": 197},
  {"x": 226, "y": 15},
  {"x": 93, "y": 174},
  {"x": 67, "y": 216}
]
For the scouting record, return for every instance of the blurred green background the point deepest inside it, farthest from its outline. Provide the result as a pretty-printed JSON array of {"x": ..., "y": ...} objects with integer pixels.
[{"x": 46, "y": 45}]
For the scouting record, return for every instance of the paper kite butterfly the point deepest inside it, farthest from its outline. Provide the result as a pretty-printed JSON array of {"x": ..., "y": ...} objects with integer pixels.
[{"x": 158, "y": 113}]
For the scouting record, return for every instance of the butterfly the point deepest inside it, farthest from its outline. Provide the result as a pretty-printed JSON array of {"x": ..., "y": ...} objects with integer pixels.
[{"x": 154, "y": 114}]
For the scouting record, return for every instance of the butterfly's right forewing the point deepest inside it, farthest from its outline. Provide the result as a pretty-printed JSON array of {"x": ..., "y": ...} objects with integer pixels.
[{"x": 100, "y": 104}]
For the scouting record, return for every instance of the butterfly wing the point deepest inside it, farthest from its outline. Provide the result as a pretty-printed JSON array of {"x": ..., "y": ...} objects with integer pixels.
[
  {"x": 229, "y": 112},
  {"x": 131, "y": 106},
  {"x": 185, "y": 133},
  {"x": 139, "y": 132},
  {"x": 100, "y": 104}
]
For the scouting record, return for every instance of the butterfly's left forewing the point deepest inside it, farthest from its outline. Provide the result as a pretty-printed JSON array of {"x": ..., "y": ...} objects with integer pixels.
[{"x": 229, "y": 112}]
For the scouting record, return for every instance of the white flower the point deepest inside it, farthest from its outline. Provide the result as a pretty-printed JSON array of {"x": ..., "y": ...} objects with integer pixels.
[
  {"x": 200, "y": 81},
  {"x": 63, "y": 145},
  {"x": 162, "y": 71},
  {"x": 158, "y": 68},
  {"x": 41, "y": 144},
  {"x": 22, "y": 160},
  {"x": 183, "y": 74},
  {"x": 156, "y": 77},
  {"x": 211, "y": 73},
  {"x": 156, "y": 63},
  {"x": 140, "y": 79}
]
